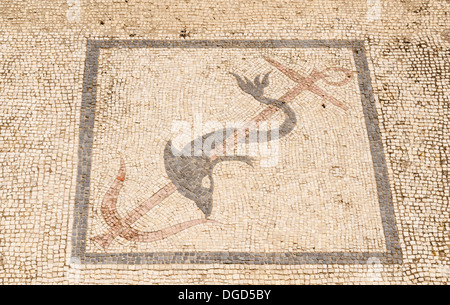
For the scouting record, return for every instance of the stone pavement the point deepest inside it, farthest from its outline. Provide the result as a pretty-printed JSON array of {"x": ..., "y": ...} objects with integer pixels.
[{"x": 224, "y": 142}]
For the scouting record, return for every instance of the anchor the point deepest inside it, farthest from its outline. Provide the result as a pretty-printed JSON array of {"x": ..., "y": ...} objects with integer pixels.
[{"x": 122, "y": 226}]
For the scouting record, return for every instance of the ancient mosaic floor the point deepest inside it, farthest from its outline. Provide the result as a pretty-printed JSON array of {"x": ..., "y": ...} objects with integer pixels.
[{"x": 224, "y": 142}]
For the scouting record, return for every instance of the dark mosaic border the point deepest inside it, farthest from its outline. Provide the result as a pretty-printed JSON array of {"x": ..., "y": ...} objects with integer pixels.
[{"x": 393, "y": 254}]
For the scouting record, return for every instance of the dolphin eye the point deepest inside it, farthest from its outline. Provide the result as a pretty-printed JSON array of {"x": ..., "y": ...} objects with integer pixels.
[{"x": 206, "y": 182}]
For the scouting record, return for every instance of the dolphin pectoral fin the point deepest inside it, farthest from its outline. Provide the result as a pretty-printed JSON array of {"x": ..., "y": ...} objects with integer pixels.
[
  {"x": 246, "y": 159},
  {"x": 171, "y": 151}
]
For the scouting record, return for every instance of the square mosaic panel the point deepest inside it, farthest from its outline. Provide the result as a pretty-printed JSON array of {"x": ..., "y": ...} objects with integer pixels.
[{"x": 317, "y": 195}]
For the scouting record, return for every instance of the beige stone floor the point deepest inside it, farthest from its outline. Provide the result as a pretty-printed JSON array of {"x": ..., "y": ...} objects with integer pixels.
[{"x": 321, "y": 196}]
